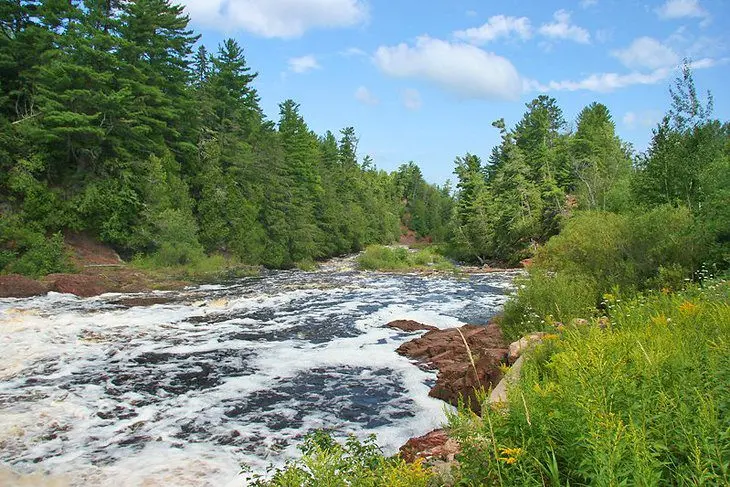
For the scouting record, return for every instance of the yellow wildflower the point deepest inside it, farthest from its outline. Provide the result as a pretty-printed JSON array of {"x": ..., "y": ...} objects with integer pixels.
[{"x": 688, "y": 308}]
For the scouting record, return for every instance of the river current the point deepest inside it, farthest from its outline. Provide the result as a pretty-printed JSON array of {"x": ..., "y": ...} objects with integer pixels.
[{"x": 94, "y": 392}]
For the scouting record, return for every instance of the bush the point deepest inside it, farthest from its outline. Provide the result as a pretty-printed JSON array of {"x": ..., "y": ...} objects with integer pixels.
[
  {"x": 378, "y": 257},
  {"x": 354, "y": 463},
  {"x": 28, "y": 251},
  {"x": 544, "y": 297},
  {"x": 642, "y": 402},
  {"x": 626, "y": 250}
]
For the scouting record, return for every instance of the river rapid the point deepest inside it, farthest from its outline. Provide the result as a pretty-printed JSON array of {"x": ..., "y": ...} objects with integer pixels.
[{"x": 93, "y": 392}]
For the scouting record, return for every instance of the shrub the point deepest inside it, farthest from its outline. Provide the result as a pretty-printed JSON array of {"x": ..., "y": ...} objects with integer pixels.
[
  {"x": 546, "y": 297},
  {"x": 378, "y": 257},
  {"x": 326, "y": 462},
  {"x": 28, "y": 251}
]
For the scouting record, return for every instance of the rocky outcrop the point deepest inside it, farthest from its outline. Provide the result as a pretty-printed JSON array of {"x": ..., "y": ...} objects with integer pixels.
[
  {"x": 410, "y": 326},
  {"x": 516, "y": 349},
  {"x": 435, "y": 445},
  {"x": 461, "y": 370},
  {"x": 17, "y": 286},
  {"x": 79, "y": 284}
]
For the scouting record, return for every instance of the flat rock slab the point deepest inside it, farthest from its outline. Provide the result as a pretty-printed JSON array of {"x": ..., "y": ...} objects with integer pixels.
[
  {"x": 410, "y": 326},
  {"x": 79, "y": 284},
  {"x": 457, "y": 376},
  {"x": 17, "y": 286}
]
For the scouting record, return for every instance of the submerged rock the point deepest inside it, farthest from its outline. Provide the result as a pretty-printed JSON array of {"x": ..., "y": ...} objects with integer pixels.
[
  {"x": 410, "y": 326},
  {"x": 17, "y": 286},
  {"x": 461, "y": 371}
]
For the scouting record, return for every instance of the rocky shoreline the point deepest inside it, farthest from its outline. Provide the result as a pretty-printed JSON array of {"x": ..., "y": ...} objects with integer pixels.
[{"x": 468, "y": 359}]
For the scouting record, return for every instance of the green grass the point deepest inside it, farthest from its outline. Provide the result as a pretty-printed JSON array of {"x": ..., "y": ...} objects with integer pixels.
[
  {"x": 644, "y": 401},
  {"x": 205, "y": 269},
  {"x": 381, "y": 258}
]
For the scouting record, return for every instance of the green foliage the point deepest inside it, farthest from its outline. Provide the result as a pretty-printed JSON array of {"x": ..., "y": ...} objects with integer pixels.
[
  {"x": 27, "y": 250},
  {"x": 328, "y": 463},
  {"x": 544, "y": 297},
  {"x": 641, "y": 401},
  {"x": 380, "y": 258},
  {"x": 109, "y": 124}
]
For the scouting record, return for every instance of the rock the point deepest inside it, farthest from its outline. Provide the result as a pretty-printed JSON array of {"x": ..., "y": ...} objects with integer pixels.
[
  {"x": 78, "y": 284},
  {"x": 435, "y": 445},
  {"x": 410, "y": 326},
  {"x": 143, "y": 301},
  {"x": 499, "y": 393},
  {"x": 516, "y": 349},
  {"x": 17, "y": 286},
  {"x": 457, "y": 377}
]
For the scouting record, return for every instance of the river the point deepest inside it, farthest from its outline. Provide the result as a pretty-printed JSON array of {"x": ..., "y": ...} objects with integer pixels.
[{"x": 93, "y": 392}]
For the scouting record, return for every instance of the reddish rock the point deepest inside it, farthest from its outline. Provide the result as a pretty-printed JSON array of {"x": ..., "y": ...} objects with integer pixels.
[
  {"x": 410, "y": 326},
  {"x": 435, "y": 445},
  {"x": 143, "y": 301},
  {"x": 17, "y": 286},
  {"x": 457, "y": 377},
  {"x": 78, "y": 284}
]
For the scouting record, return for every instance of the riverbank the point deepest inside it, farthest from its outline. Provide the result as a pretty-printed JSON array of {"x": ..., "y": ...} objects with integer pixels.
[{"x": 100, "y": 270}]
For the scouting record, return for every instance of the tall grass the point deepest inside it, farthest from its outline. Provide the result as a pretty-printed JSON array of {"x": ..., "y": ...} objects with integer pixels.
[
  {"x": 382, "y": 258},
  {"x": 643, "y": 401}
]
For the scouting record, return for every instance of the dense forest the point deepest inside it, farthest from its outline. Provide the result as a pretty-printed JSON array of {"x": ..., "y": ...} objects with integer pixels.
[{"x": 116, "y": 121}]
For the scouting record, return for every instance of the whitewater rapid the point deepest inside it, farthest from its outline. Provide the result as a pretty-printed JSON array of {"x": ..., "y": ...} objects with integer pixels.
[{"x": 93, "y": 392}]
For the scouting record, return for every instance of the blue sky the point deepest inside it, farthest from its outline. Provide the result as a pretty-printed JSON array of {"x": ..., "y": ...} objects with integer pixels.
[{"x": 422, "y": 80}]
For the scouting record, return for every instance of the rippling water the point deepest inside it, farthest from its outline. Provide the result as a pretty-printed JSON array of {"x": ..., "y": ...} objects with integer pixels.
[{"x": 96, "y": 393}]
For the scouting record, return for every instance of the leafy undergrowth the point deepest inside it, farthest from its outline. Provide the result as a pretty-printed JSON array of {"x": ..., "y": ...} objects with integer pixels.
[
  {"x": 328, "y": 463},
  {"x": 382, "y": 258},
  {"x": 642, "y": 398},
  {"x": 203, "y": 269}
]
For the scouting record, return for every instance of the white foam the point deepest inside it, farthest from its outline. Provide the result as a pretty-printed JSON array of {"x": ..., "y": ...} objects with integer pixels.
[{"x": 92, "y": 391}]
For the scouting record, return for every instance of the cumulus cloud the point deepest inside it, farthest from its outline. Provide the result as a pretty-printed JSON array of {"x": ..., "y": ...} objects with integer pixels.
[
  {"x": 463, "y": 69},
  {"x": 646, "y": 52},
  {"x": 680, "y": 9},
  {"x": 303, "y": 64},
  {"x": 365, "y": 96},
  {"x": 276, "y": 18},
  {"x": 588, "y": 3},
  {"x": 412, "y": 99},
  {"x": 608, "y": 82},
  {"x": 562, "y": 28},
  {"x": 496, "y": 27}
]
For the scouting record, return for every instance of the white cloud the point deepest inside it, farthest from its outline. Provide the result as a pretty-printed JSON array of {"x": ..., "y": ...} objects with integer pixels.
[
  {"x": 496, "y": 27},
  {"x": 463, "y": 69},
  {"x": 562, "y": 28},
  {"x": 303, "y": 64},
  {"x": 680, "y": 9},
  {"x": 646, "y": 52},
  {"x": 643, "y": 119},
  {"x": 603, "y": 82},
  {"x": 363, "y": 95},
  {"x": 353, "y": 51},
  {"x": 276, "y": 18},
  {"x": 608, "y": 82},
  {"x": 471, "y": 13},
  {"x": 412, "y": 99},
  {"x": 588, "y": 3}
]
